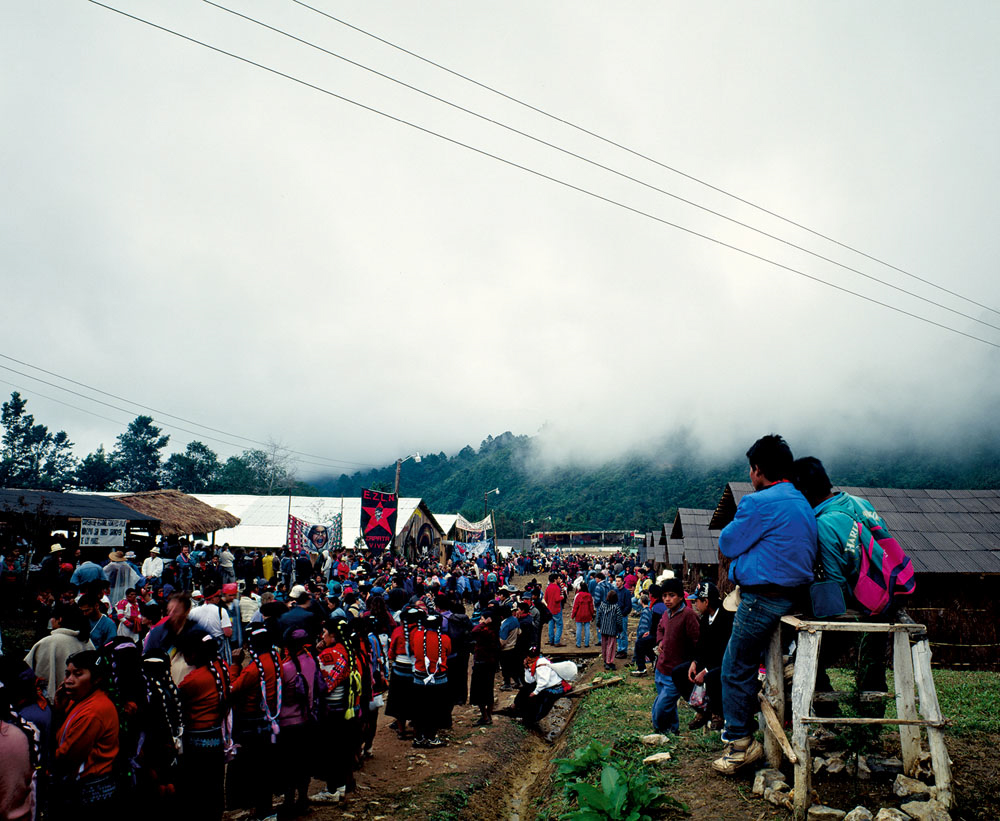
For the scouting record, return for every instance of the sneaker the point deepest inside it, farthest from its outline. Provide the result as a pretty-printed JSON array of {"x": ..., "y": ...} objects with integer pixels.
[
  {"x": 700, "y": 721},
  {"x": 621, "y": 654},
  {"x": 436, "y": 742},
  {"x": 737, "y": 755},
  {"x": 638, "y": 672},
  {"x": 327, "y": 797},
  {"x": 422, "y": 743}
]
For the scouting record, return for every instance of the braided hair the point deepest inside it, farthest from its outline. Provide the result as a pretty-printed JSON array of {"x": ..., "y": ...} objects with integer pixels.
[
  {"x": 11, "y": 716},
  {"x": 162, "y": 696},
  {"x": 436, "y": 622},
  {"x": 410, "y": 616},
  {"x": 262, "y": 638}
]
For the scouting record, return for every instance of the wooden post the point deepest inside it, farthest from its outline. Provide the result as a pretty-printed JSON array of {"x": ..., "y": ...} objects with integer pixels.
[
  {"x": 906, "y": 703},
  {"x": 931, "y": 710},
  {"x": 803, "y": 686},
  {"x": 774, "y": 692}
]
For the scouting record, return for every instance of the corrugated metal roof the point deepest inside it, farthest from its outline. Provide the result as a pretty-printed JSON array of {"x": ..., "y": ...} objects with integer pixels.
[
  {"x": 68, "y": 505},
  {"x": 942, "y": 531}
]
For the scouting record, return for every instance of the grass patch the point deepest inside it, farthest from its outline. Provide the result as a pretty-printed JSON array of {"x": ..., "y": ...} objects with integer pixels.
[
  {"x": 618, "y": 717},
  {"x": 969, "y": 699}
]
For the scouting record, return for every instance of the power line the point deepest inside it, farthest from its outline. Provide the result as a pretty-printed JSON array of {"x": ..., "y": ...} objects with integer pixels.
[
  {"x": 118, "y": 422},
  {"x": 541, "y": 174},
  {"x": 158, "y": 421},
  {"x": 640, "y": 155},
  {"x": 161, "y": 412},
  {"x": 596, "y": 164}
]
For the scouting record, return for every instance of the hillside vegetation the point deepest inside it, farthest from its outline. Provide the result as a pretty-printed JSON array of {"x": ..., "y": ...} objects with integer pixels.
[{"x": 638, "y": 492}]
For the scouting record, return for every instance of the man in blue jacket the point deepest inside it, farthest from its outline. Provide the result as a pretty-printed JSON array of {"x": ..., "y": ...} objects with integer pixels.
[{"x": 772, "y": 544}]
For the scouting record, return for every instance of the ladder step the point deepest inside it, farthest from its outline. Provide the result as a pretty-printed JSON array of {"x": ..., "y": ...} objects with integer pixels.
[
  {"x": 864, "y": 695},
  {"x": 917, "y": 722}
]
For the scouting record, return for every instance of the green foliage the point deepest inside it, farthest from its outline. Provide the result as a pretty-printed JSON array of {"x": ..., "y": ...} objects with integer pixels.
[
  {"x": 30, "y": 455},
  {"x": 581, "y": 762},
  {"x": 625, "y": 797},
  {"x": 137, "y": 455},
  {"x": 191, "y": 471},
  {"x": 97, "y": 472}
]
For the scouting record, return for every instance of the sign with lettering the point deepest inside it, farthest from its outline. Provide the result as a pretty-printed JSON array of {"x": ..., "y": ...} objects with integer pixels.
[{"x": 102, "y": 532}]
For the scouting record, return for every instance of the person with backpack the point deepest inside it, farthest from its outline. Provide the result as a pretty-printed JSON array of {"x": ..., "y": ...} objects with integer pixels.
[{"x": 856, "y": 552}]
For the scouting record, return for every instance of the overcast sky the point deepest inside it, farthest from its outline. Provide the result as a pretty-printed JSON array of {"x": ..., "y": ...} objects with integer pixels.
[{"x": 209, "y": 239}]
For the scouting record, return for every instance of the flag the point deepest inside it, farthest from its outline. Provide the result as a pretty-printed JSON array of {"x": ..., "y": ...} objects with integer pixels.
[
  {"x": 303, "y": 535},
  {"x": 378, "y": 518}
]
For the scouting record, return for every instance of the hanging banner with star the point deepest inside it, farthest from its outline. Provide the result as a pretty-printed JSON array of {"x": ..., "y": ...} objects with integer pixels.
[{"x": 378, "y": 518}]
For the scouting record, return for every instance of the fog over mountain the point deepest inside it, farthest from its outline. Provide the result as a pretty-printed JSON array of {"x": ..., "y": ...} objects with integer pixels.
[{"x": 209, "y": 239}]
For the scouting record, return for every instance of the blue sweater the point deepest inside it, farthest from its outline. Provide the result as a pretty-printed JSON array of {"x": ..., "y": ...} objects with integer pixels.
[{"x": 772, "y": 539}]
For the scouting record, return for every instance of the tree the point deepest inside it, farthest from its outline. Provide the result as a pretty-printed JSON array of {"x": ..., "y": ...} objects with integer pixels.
[
  {"x": 96, "y": 472},
  {"x": 192, "y": 471},
  {"x": 31, "y": 456},
  {"x": 137, "y": 456}
]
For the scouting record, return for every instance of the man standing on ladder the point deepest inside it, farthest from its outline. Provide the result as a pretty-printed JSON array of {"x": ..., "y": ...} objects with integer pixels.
[{"x": 772, "y": 545}]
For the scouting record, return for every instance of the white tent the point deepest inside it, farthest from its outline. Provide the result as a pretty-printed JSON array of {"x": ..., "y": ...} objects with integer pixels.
[{"x": 264, "y": 519}]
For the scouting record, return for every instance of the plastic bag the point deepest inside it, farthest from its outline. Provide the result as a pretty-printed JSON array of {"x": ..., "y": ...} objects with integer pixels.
[{"x": 699, "y": 698}]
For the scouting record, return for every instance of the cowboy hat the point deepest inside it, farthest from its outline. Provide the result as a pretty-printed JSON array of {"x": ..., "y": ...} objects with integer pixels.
[
  {"x": 732, "y": 601},
  {"x": 56, "y": 548},
  {"x": 116, "y": 556}
]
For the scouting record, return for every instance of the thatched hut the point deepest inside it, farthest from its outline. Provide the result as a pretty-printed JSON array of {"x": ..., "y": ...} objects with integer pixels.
[{"x": 179, "y": 513}]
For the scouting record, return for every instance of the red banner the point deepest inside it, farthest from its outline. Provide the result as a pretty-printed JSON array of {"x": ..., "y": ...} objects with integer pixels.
[{"x": 378, "y": 518}]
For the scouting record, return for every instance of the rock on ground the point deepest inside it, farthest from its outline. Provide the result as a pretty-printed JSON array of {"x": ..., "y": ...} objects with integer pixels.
[
  {"x": 655, "y": 740},
  {"x": 820, "y": 812},
  {"x": 765, "y": 779},
  {"x": 859, "y": 814},
  {"x": 890, "y": 814},
  {"x": 932, "y": 810},
  {"x": 906, "y": 787}
]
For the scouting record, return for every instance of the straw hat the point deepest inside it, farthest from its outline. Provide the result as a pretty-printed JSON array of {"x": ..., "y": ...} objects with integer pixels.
[
  {"x": 56, "y": 548},
  {"x": 116, "y": 556},
  {"x": 732, "y": 601},
  {"x": 155, "y": 551}
]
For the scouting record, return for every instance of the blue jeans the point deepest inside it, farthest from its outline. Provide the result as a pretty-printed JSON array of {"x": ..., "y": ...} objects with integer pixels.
[
  {"x": 556, "y": 628},
  {"x": 584, "y": 628},
  {"x": 665, "y": 706},
  {"x": 755, "y": 621},
  {"x": 623, "y": 636}
]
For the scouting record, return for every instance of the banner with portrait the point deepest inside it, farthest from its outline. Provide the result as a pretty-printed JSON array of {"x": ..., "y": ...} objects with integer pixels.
[{"x": 303, "y": 535}]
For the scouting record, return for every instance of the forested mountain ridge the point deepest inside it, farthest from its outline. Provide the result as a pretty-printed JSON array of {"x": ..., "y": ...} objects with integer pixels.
[{"x": 638, "y": 492}]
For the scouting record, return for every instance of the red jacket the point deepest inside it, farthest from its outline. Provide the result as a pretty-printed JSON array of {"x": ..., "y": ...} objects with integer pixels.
[
  {"x": 583, "y": 607},
  {"x": 554, "y": 597},
  {"x": 88, "y": 738}
]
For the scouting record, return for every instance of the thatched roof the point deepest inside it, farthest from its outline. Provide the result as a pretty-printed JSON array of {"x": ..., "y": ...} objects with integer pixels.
[{"x": 179, "y": 514}]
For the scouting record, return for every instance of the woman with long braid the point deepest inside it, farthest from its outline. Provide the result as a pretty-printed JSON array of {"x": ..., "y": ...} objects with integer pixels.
[
  {"x": 377, "y": 643},
  {"x": 401, "y": 657},
  {"x": 162, "y": 721},
  {"x": 297, "y": 720},
  {"x": 257, "y": 696},
  {"x": 430, "y": 681},
  {"x": 205, "y": 702},
  {"x": 340, "y": 727},
  {"x": 19, "y": 752}
]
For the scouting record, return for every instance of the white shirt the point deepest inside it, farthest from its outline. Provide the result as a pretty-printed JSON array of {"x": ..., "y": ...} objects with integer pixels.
[
  {"x": 211, "y": 618},
  {"x": 153, "y": 567}
]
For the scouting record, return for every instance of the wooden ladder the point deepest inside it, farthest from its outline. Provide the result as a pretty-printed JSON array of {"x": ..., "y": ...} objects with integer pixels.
[{"x": 911, "y": 665}]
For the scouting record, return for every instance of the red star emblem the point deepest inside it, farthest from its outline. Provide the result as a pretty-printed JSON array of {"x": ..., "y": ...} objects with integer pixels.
[{"x": 376, "y": 518}]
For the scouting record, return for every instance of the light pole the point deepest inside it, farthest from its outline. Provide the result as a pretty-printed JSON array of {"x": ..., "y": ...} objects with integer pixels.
[
  {"x": 525, "y": 522},
  {"x": 486, "y": 500},
  {"x": 399, "y": 463}
]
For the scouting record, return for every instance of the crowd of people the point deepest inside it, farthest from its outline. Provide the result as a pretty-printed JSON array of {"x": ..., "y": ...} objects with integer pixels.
[{"x": 208, "y": 678}]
